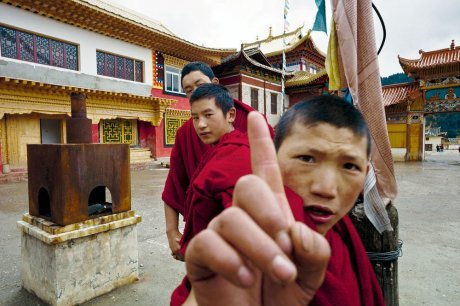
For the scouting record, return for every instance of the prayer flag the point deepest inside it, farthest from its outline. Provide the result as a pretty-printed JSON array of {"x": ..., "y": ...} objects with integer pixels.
[
  {"x": 320, "y": 20},
  {"x": 356, "y": 44},
  {"x": 332, "y": 60}
]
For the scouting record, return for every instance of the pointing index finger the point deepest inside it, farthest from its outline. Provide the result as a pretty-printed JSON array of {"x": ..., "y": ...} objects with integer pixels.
[{"x": 264, "y": 162}]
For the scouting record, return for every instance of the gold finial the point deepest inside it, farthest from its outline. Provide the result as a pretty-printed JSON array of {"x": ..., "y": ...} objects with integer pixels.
[
  {"x": 270, "y": 32},
  {"x": 452, "y": 45}
]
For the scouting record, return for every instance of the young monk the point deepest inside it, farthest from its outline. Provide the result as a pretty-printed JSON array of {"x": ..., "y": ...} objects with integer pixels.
[
  {"x": 187, "y": 152},
  {"x": 295, "y": 245},
  {"x": 227, "y": 159}
]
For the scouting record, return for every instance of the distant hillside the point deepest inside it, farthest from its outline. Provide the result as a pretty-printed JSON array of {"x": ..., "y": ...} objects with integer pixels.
[{"x": 396, "y": 79}]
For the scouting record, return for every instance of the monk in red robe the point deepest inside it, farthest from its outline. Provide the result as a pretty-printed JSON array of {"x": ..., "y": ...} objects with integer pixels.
[
  {"x": 227, "y": 159},
  {"x": 188, "y": 151},
  {"x": 291, "y": 245}
]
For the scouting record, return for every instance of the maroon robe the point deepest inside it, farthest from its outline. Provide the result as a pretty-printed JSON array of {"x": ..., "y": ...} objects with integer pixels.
[
  {"x": 211, "y": 190},
  {"x": 213, "y": 182},
  {"x": 350, "y": 279},
  {"x": 186, "y": 154}
]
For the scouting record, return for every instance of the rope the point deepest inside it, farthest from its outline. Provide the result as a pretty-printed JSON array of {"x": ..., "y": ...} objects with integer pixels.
[
  {"x": 386, "y": 256},
  {"x": 383, "y": 27}
]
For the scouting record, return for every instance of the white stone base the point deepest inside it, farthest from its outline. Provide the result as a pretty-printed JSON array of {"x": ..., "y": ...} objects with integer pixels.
[{"x": 73, "y": 264}]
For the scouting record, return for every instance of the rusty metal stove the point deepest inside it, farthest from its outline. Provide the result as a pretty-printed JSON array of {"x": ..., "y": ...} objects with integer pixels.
[{"x": 67, "y": 182}]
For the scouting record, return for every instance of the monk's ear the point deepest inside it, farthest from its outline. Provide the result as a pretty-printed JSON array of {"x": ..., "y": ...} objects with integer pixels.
[
  {"x": 215, "y": 80},
  {"x": 231, "y": 115}
]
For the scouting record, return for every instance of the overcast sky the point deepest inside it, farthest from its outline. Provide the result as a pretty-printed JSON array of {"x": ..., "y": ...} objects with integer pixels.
[{"x": 411, "y": 24}]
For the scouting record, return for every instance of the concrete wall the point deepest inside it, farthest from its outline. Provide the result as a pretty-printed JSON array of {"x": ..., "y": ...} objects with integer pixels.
[{"x": 88, "y": 42}]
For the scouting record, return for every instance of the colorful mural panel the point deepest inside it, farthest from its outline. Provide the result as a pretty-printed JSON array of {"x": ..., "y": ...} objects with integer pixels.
[
  {"x": 447, "y": 93},
  {"x": 442, "y": 100}
]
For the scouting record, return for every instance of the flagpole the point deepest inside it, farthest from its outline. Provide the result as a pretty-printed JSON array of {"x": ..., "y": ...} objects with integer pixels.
[{"x": 283, "y": 65}]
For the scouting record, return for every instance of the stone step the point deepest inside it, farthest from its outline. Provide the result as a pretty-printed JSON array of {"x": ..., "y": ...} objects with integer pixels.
[
  {"x": 13, "y": 177},
  {"x": 140, "y": 155}
]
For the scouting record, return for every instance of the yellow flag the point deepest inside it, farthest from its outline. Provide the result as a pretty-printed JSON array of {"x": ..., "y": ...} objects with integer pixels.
[{"x": 332, "y": 60}]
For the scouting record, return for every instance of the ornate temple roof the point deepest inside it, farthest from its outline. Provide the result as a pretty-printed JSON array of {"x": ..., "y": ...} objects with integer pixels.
[
  {"x": 397, "y": 93},
  {"x": 302, "y": 78},
  {"x": 107, "y": 19},
  {"x": 273, "y": 45},
  {"x": 254, "y": 57},
  {"x": 443, "y": 62}
]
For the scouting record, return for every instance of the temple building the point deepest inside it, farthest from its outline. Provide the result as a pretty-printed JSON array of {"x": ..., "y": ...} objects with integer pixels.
[
  {"x": 128, "y": 66},
  {"x": 304, "y": 62},
  {"x": 250, "y": 78},
  {"x": 436, "y": 90}
]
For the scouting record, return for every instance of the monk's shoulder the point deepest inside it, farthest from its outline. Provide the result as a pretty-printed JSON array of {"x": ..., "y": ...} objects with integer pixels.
[{"x": 224, "y": 168}]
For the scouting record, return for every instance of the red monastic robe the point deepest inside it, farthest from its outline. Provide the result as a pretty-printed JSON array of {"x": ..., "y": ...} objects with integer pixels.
[
  {"x": 211, "y": 190},
  {"x": 350, "y": 279},
  {"x": 213, "y": 182},
  {"x": 186, "y": 154}
]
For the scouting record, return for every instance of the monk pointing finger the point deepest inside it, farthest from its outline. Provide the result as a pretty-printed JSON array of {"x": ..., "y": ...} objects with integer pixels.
[
  {"x": 255, "y": 231},
  {"x": 322, "y": 151}
]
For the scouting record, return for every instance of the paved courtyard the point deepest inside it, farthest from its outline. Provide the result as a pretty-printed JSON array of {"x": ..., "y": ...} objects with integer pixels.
[{"x": 429, "y": 217}]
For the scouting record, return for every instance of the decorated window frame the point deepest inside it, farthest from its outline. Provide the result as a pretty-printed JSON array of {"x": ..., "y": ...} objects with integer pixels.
[
  {"x": 27, "y": 46},
  {"x": 273, "y": 103},
  {"x": 120, "y": 67},
  {"x": 172, "y": 81}
]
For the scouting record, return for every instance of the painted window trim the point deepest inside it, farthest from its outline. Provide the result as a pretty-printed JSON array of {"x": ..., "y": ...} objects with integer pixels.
[
  {"x": 255, "y": 98},
  {"x": 273, "y": 106},
  {"x": 167, "y": 71},
  {"x": 66, "y": 63},
  {"x": 125, "y": 59}
]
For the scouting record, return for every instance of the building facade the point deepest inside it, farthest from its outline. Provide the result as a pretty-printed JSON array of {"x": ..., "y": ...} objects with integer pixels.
[
  {"x": 305, "y": 63},
  {"x": 436, "y": 90},
  {"x": 250, "y": 78},
  {"x": 126, "y": 64}
]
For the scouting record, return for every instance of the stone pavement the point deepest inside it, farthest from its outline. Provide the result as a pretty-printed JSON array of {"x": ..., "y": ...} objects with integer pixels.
[{"x": 429, "y": 216}]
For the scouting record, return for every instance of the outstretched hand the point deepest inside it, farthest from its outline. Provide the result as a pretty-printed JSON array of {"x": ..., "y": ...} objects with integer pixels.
[{"x": 254, "y": 253}]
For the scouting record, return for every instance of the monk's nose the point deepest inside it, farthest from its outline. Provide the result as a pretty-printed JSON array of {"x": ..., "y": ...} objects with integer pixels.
[
  {"x": 325, "y": 182},
  {"x": 202, "y": 123}
]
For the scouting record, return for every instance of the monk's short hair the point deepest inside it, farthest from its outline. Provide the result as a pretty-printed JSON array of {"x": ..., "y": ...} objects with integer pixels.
[
  {"x": 197, "y": 66},
  {"x": 223, "y": 99},
  {"x": 323, "y": 109}
]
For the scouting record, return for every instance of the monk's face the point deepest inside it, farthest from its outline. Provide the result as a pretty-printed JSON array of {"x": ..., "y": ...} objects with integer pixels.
[
  {"x": 327, "y": 167},
  {"x": 209, "y": 120},
  {"x": 194, "y": 79}
]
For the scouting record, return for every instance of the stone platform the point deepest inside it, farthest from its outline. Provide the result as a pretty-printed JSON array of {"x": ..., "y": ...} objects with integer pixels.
[{"x": 68, "y": 265}]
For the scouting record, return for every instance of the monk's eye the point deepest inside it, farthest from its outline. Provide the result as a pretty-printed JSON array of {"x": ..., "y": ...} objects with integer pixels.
[
  {"x": 194, "y": 118},
  {"x": 208, "y": 115},
  {"x": 351, "y": 166},
  {"x": 306, "y": 158}
]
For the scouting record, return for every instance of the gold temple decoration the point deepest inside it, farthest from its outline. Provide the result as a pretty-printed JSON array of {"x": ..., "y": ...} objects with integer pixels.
[{"x": 174, "y": 118}]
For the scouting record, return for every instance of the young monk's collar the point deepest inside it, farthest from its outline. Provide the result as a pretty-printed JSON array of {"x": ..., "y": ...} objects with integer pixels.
[{"x": 231, "y": 128}]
